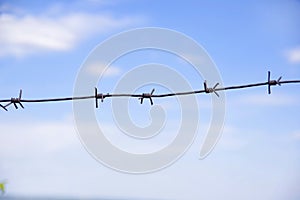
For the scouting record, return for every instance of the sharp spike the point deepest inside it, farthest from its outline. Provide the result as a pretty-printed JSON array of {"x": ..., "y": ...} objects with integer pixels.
[
  {"x": 96, "y": 97},
  {"x": 3, "y": 107},
  {"x": 20, "y": 94}
]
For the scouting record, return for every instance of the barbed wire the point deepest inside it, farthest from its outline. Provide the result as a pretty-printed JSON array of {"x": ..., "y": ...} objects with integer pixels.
[{"x": 18, "y": 101}]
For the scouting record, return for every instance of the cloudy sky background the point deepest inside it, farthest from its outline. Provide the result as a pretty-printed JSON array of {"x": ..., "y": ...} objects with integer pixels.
[{"x": 43, "y": 45}]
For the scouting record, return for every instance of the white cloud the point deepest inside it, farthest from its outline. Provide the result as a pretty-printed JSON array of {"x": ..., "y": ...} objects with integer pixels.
[
  {"x": 293, "y": 55},
  {"x": 296, "y": 135},
  {"x": 99, "y": 68},
  {"x": 267, "y": 100},
  {"x": 41, "y": 138},
  {"x": 22, "y": 35},
  {"x": 231, "y": 139}
]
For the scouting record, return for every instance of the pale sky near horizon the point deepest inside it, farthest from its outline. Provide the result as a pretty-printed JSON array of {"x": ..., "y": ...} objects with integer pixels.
[{"x": 44, "y": 43}]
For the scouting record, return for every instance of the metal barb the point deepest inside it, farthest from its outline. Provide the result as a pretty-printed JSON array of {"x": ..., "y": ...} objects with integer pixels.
[
  {"x": 148, "y": 96},
  {"x": 3, "y": 107},
  {"x": 211, "y": 90},
  {"x": 14, "y": 101},
  {"x": 272, "y": 82},
  {"x": 98, "y": 96}
]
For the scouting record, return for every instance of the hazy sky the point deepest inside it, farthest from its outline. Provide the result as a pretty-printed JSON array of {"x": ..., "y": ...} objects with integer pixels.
[{"x": 43, "y": 45}]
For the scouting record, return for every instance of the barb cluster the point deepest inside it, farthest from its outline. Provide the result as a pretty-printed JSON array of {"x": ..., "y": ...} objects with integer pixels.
[
  {"x": 14, "y": 101},
  {"x": 18, "y": 101},
  {"x": 272, "y": 82},
  {"x": 148, "y": 96},
  {"x": 211, "y": 90}
]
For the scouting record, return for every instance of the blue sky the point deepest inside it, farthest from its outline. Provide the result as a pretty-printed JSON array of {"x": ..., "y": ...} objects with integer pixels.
[{"x": 43, "y": 45}]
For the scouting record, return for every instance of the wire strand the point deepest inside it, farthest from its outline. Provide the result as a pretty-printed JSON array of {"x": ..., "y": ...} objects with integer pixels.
[{"x": 215, "y": 89}]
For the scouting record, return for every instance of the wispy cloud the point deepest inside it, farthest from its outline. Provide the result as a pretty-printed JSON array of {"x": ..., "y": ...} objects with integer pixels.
[
  {"x": 267, "y": 100},
  {"x": 231, "y": 139},
  {"x": 99, "y": 68},
  {"x": 296, "y": 135},
  {"x": 42, "y": 138},
  {"x": 293, "y": 55},
  {"x": 26, "y": 34}
]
